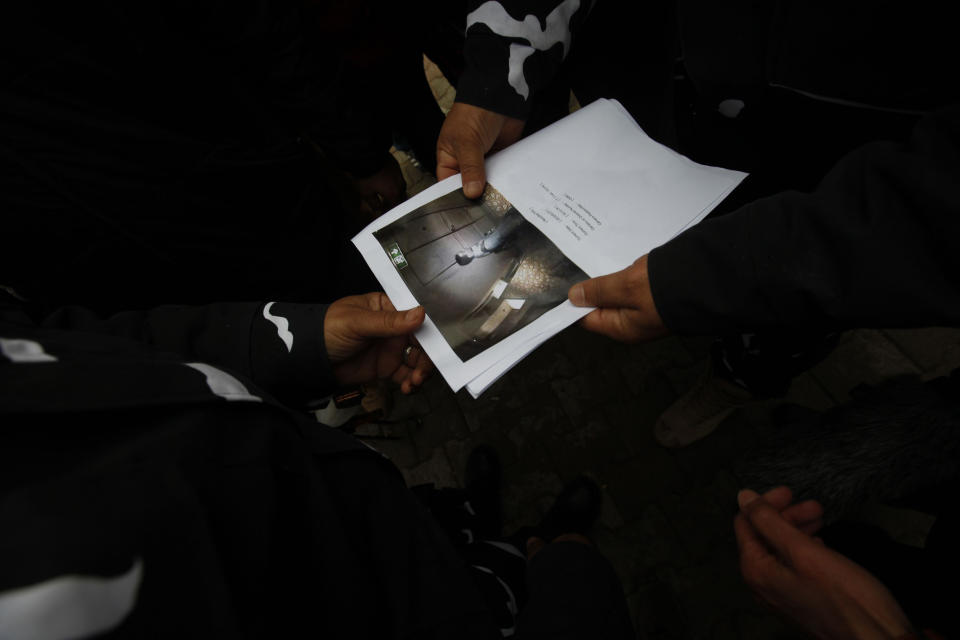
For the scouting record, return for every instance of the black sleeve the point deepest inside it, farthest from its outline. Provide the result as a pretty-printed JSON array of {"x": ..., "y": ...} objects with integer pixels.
[
  {"x": 514, "y": 48},
  {"x": 279, "y": 346},
  {"x": 574, "y": 594},
  {"x": 873, "y": 246}
]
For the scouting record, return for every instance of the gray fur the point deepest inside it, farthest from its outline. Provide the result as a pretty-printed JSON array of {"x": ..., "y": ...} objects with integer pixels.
[{"x": 888, "y": 442}]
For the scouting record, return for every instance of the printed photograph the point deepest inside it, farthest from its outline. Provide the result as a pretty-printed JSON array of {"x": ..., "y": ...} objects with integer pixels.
[{"x": 478, "y": 267}]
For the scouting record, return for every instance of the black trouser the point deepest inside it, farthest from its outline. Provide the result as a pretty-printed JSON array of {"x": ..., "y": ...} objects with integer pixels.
[{"x": 568, "y": 590}]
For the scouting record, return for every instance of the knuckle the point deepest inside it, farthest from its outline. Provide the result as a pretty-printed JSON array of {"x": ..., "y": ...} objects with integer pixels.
[
  {"x": 800, "y": 557},
  {"x": 633, "y": 278},
  {"x": 591, "y": 295},
  {"x": 625, "y": 329},
  {"x": 759, "y": 513},
  {"x": 389, "y": 320}
]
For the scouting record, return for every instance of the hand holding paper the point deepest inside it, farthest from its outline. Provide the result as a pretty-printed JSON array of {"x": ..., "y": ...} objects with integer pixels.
[
  {"x": 467, "y": 135},
  {"x": 580, "y": 199},
  {"x": 367, "y": 339},
  {"x": 625, "y": 308}
]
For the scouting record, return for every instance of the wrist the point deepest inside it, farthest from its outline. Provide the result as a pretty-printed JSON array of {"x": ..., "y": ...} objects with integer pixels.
[{"x": 645, "y": 302}]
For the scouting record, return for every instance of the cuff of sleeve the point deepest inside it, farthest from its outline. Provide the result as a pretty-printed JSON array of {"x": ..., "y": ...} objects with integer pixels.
[
  {"x": 701, "y": 281},
  {"x": 289, "y": 355},
  {"x": 492, "y": 94}
]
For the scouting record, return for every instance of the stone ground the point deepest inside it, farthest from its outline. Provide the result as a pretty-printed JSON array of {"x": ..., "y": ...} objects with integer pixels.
[{"x": 584, "y": 404}]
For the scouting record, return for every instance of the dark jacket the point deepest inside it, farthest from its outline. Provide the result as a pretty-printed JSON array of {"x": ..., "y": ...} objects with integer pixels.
[
  {"x": 148, "y": 451},
  {"x": 852, "y": 139},
  {"x": 872, "y": 246}
]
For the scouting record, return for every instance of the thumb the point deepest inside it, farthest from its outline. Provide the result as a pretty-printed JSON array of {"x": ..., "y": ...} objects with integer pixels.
[
  {"x": 622, "y": 289},
  {"x": 368, "y": 323},
  {"x": 470, "y": 157}
]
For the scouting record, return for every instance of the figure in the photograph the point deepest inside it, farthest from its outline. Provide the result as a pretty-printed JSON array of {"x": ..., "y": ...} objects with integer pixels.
[
  {"x": 494, "y": 240},
  {"x": 475, "y": 303}
]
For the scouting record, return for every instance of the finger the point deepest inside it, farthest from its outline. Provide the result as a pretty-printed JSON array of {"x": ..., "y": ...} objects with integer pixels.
[
  {"x": 620, "y": 289},
  {"x": 803, "y": 513},
  {"x": 412, "y": 371},
  {"x": 447, "y": 164},
  {"x": 423, "y": 367},
  {"x": 408, "y": 380},
  {"x": 470, "y": 153},
  {"x": 375, "y": 301},
  {"x": 367, "y": 323},
  {"x": 807, "y": 516},
  {"x": 603, "y": 321},
  {"x": 619, "y": 324},
  {"x": 413, "y": 358},
  {"x": 401, "y": 375},
  {"x": 760, "y": 569},
  {"x": 779, "y": 497},
  {"x": 811, "y": 527},
  {"x": 750, "y": 545},
  {"x": 772, "y": 528},
  {"x": 467, "y": 134}
]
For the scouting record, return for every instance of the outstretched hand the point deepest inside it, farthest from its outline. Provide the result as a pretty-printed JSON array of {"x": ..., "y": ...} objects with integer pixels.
[
  {"x": 366, "y": 339},
  {"x": 822, "y": 591},
  {"x": 625, "y": 309},
  {"x": 467, "y": 135}
]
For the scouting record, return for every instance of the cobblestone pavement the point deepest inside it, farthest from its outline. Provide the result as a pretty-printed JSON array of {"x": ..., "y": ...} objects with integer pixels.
[{"x": 584, "y": 404}]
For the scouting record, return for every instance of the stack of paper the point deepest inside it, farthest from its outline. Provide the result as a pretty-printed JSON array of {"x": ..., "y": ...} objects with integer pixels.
[{"x": 581, "y": 198}]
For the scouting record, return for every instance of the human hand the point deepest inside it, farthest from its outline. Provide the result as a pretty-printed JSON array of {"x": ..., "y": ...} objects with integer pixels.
[
  {"x": 822, "y": 591},
  {"x": 626, "y": 310},
  {"x": 366, "y": 338},
  {"x": 467, "y": 135},
  {"x": 383, "y": 190}
]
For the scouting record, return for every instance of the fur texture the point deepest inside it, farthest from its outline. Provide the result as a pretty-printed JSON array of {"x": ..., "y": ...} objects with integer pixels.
[{"x": 889, "y": 442}]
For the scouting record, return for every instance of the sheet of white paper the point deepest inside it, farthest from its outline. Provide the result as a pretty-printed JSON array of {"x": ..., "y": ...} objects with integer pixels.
[
  {"x": 483, "y": 381},
  {"x": 480, "y": 384},
  {"x": 601, "y": 190},
  {"x": 455, "y": 371}
]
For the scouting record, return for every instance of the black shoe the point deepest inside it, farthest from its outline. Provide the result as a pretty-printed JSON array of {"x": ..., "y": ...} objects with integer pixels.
[
  {"x": 575, "y": 510},
  {"x": 482, "y": 482}
]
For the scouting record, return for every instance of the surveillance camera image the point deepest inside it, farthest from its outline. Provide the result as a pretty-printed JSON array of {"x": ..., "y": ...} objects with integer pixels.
[{"x": 478, "y": 267}]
